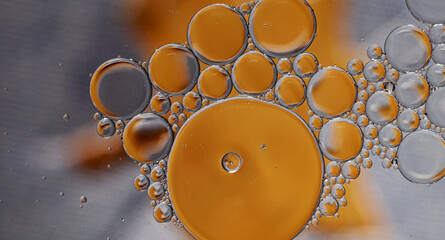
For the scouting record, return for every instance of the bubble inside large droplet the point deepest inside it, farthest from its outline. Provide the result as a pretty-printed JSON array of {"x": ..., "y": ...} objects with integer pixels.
[
  {"x": 421, "y": 157},
  {"x": 147, "y": 137},
  {"x": 340, "y": 140},
  {"x": 120, "y": 88}
]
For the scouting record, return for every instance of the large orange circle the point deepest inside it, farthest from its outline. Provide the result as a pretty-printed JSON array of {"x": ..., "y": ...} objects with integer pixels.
[{"x": 271, "y": 196}]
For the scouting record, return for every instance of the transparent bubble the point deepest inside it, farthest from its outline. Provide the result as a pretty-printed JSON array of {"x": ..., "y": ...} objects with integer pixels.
[
  {"x": 155, "y": 191},
  {"x": 192, "y": 101},
  {"x": 254, "y": 73},
  {"x": 362, "y": 83},
  {"x": 408, "y": 48},
  {"x": 177, "y": 108},
  {"x": 425, "y": 124},
  {"x": 173, "y": 69},
  {"x": 305, "y": 65},
  {"x": 382, "y": 108},
  {"x": 412, "y": 90},
  {"x": 217, "y": 34},
  {"x": 435, "y": 107},
  {"x": 350, "y": 170},
  {"x": 97, "y": 116},
  {"x": 141, "y": 182},
  {"x": 147, "y": 137},
  {"x": 342, "y": 202},
  {"x": 83, "y": 199},
  {"x": 392, "y": 75},
  {"x": 231, "y": 162},
  {"x": 428, "y": 11},
  {"x": 331, "y": 92},
  {"x": 436, "y": 75},
  {"x": 145, "y": 169},
  {"x": 244, "y": 8},
  {"x": 160, "y": 104},
  {"x": 362, "y": 95},
  {"x": 367, "y": 163},
  {"x": 370, "y": 89},
  {"x": 358, "y": 108},
  {"x": 333, "y": 169},
  {"x": 328, "y": 206},
  {"x": 315, "y": 122},
  {"x": 340, "y": 140},
  {"x": 408, "y": 120},
  {"x": 173, "y": 119},
  {"x": 338, "y": 191},
  {"x": 374, "y": 52},
  {"x": 355, "y": 67},
  {"x": 214, "y": 83},
  {"x": 390, "y": 136},
  {"x": 157, "y": 174},
  {"x": 284, "y": 66},
  {"x": 370, "y": 132},
  {"x": 282, "y": 35},
  {"x": 120, "y": 88},
  {"x": 386, "y": 163},
  {"x": 421, "y": 157},
  {"x": 437, "y": 33},
  {"x": 290, "y": 91},
  {"x": 374, "y": 71},
  {"x": 163, "y": 213},
  {"x": 182, "y": 117},
  {"x": 438, "y": 55},
  {"x": 105, "y": 128}
]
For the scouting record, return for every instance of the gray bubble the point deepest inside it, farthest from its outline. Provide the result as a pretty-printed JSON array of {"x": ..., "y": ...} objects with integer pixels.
[
  {"x": 328, "y": 206},
  {"x": 350, "y": 170},
  {"x": 436, "y": 75},
  {"x": 338, "y": 191},
  {"x": 382, "y": 108},
  {"x": 427, "y": 11},
  {"x": 374, "y": 71},
  {"x": 437, "y": 33},
  {"x": 421, "y": 157},
  {"x": 439, "y": 54},
  {"x": 105, "y": 128},
  {"x": 355, "y": 67},
  {"x": 362, "y": 83},
  {"x": 333, "y": 169},
  {"x": 435, "y": 107},
  {"x": 407, "y": 48},
  {"x": 412, "y": 90},
  {"x": 392, "y": 75},
  {"x": 371, "y": 132},
  {"x": 163, "y": 213},
  {"x": 374, "y": 51},
  {"x": 390, "y": 136},
  {"x": 408, "y": 120}
]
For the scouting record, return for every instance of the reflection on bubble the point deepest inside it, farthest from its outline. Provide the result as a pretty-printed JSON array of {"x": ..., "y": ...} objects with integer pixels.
[
  {"x": 390, "y": 136},
  {"x": 412, "y": 90},
  {"x": 305, "y": 65},
  {"x": 331, "y": 92},
  {"x": 290, "y": 91},
  {"x": 408, "y": 120},
  {"x": 147, "y": 137},
  {"x": 214, "y": 83},
  {"x": 382, "y": 108},
  {"x": 421, "y": 157}
]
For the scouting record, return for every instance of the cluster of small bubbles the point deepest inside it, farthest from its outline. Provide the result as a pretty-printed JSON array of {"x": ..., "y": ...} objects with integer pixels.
[{"x": 106, "y": 128}]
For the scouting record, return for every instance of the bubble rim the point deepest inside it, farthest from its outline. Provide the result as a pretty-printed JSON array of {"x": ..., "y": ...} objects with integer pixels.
[
  {"x": 299, "y": 57},
  {"x": 191, "y": 85},
  {"x": 149, "y": 93},
  {"x": 220, "y": 63},
  {"x": 229, "y": 88},
  {"x": 409, "y": 5},
  {"x": 168, "y": 100},
  {"x": 280, "y": 100},
  {"x": 322, "y": 161},
  {"x": 280, "y": 55}
]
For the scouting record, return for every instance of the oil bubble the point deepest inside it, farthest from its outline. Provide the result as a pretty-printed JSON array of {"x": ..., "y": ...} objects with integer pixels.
[
  {"x": 177, "y": 108},
  {"x": 436, "y": 75},
  {"x": 315, "y": 122},
  {"x": 390, "y": 136},
  {"x": 435, "y": 107},
  {"x": 147, "y": 137},
  {"x": 328, "y": 206},
  {"x": 157, "y": 174},
  {"x": 192, "y": 101},
  {"x": 437, "y": 33},
  {"x": 231, "y": 162},
  {"x": 333, "y": 169},
  {"x": 290, "y": 91},
  {"x": 145, "y": 169},
  {"x": 374, "y": 51},
  {"x": 305, "y": 65},
  {"x": 214, "y": 83},
  {"x": 160, "y": 104},
  {"x": 438, "y": 55},
  {"x": 338, "y": 191},
  {"x": 141, "y": 182},
  {"x": 392, "y": 75},
  {"x": 163, "y": 213},
  {"x": 284, "y": 66},
  {"x": 83, "y": 199},
  {"x": 412, "y": 90},
  {"x": 105, "y": 128},
  {"x": 427, "y": 11},
  {"x": 362, "y": 83},
  {"x": 382, "y": 108},
  {"x": 374, "y": 71},
  {"x": 355, "y": 67},
  {"x": 350, "y": 170},
  {"x": 155, "y": 191},
  {"x": 408, "y": 120}
]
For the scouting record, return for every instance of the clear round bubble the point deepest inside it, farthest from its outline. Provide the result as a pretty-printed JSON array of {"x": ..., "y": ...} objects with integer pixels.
[
  {"x": 358, "y": 108},
  {"x": 217, "y": 34},
  {"x": 290, "y": 91},
  {"x": 438, "y": 55},
  {"x": 105, "y": 128},
  {"x": 427, "y": 11},
  {"x": 363, "y": 121},
  {"x": 340, "y": 140},
  {"x": 120, "y": 88},
  {"x": 282, "y": 29},
  {"x": 331, "y": 92},
  {"x": 355, "y": 67},
  {"x": 214, "y": 83},
  {"x": 421, "y": 157},
  {"x": 412, "y": 90},
  {"x": 408, "y": 48},
  {"x": 305, "y": 65},
  {"x": 371, "y": 132},
  {"x": 254, "y": 73},
  {"x": 390, "y": 136},
  {"x": 435, "y": 107},
  {"x": 284, "y": 66},
  {"x": 362, "y": 83},
  {"x": 436, "y": 75},
  {"x": 192, "y": 101},
  {"x": 231, "y": 162},
  {"x": 338, "y": 191},
  {"x": 155, "y": 191},
  {"x": 145, "y": 169},
  {"x": 177, "y": 108},
  {"x": 374, "y": 71},
  {"x": 408, "y": 120},
  {"x": 437, "y": 33},
  {"x": 173, "y": 119},
  {"x": 328, "y": 206},
  {"x": 141, "y": 182},
  {"x": 157, "y": 174},
  {"x": 350, "y": 170},
  {"x": 425, "y": 124},
  {"x": 160, "y": 104},
  {"x": 162, "y": 213},
  {"x": 244, "y": 8},
  {"x": 333, "y": 169},
  {"x": 147, "y": 137},
  {"x": 173, "y": 69},
  {"x": 392, "y": 75},
  {"x": 83, "y": 199},
  {"x": 374, "y": 51},
  {"x": 382, "y": 108},
  {"x": 315, "y": 122}
]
